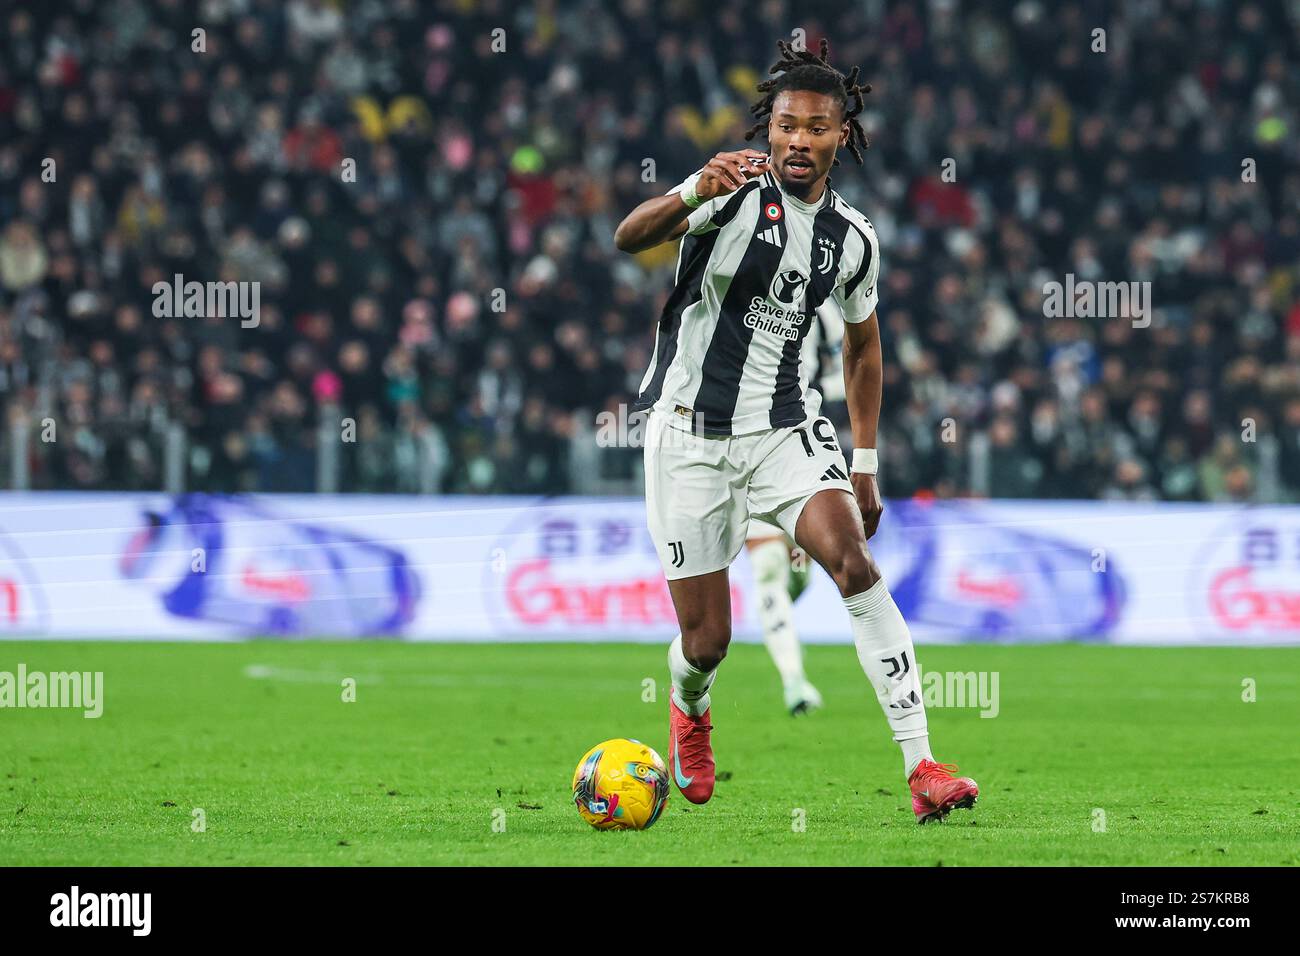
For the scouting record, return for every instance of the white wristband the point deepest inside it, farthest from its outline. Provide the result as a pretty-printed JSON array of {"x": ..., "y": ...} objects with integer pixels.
[
  {"x": 865, "y": 461},
  {"x": 688, "y": 191}
]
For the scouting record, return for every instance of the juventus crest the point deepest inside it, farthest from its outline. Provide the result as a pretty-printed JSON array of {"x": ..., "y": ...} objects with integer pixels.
[{"x": 827, "y": 258}]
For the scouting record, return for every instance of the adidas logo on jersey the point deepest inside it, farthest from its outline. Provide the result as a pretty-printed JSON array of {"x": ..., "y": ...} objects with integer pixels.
[
  {"x": 771, "y": 234},
  {"x": 833, "y": 473}
]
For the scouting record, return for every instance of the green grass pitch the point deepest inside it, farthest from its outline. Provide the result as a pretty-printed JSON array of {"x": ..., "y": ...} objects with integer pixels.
[{"x": 444, "y": 739}]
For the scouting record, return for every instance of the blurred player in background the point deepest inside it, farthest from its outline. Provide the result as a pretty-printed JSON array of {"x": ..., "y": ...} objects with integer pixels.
[
  {"x": 780, "y": 576},
  {"x": 781, "y": 568}
]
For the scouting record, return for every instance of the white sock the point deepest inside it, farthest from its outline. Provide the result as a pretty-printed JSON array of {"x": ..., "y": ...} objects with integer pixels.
[
  {"x": 771, "y": 562},
  {"x": 889, "y": 660},
  {"x": 915, "y": 749},
  {"x": 690, "y": 684}
]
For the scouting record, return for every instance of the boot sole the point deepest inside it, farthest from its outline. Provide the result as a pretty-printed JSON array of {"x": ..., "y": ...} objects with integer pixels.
[{"x": 939, "y": 816}]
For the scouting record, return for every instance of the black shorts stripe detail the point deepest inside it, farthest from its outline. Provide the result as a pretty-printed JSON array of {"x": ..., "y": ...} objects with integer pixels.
[
  {"x": 724, "y": 361},
  {"x": 787, "y": 396},
  {"x": 688, "y": 289}
]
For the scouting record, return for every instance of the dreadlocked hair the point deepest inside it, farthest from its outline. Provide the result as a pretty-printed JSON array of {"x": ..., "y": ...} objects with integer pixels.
[{"x": 801, "y": 70}]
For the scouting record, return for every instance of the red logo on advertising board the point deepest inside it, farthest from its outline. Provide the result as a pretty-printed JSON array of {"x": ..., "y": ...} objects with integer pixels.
[
  {"x": 537, "y": 596},
  {"x": 1248, "y": 578},
  {"x": 22, "y": 600},
  {"x": 1239, "y": 602},
  {"x": 9, "y": 600},
  {"x": 285, "y": 586},
  {"x": 580, "y": 568},
  {"x": 1004, "y": 592}
]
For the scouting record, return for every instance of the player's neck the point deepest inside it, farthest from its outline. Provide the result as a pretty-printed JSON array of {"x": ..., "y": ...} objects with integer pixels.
[{"x": 809, "y": 194}]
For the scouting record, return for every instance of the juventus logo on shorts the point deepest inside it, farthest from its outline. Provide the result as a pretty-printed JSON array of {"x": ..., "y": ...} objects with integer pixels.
[{"x": 679, "y": 553}]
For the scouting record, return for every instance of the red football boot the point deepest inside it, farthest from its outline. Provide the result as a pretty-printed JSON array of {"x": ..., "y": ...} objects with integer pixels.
[
  {"x": 935, "y": 790},
  {"x": 689, "y": 753}
]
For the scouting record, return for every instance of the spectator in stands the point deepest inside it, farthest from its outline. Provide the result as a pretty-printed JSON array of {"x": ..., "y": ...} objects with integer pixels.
[{"x": 431, "y": 224}]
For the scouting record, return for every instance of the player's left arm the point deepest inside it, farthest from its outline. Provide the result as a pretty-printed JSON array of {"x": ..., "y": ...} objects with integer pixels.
[{"x": 863, "y": 375}]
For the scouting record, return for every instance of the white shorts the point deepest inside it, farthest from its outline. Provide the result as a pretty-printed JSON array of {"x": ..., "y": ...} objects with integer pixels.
[
  {"x": 701, "y": 490},
  {"x": 761, "y": 529}
]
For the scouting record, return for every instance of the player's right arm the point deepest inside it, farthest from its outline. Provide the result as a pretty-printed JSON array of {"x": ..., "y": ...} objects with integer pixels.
[{"x": 666, "y": 217}]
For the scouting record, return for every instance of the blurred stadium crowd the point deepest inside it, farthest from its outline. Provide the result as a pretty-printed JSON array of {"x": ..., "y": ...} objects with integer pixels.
[{"x": 463, "y": 301}]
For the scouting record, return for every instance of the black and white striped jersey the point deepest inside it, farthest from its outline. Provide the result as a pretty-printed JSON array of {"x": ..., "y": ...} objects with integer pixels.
[
  {"x": 756, "y": 270},
  {"x": 824, "y": 362}
]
